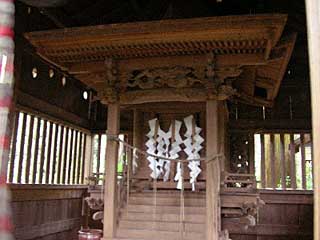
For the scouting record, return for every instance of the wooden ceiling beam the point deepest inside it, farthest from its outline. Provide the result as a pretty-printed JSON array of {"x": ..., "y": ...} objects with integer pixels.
[{"x": 255, "y": 59}]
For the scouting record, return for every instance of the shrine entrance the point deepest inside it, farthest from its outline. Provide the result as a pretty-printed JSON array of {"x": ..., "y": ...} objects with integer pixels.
[
  {"x": 176, "y": 77},
  {"x": 174, "y": 126}
]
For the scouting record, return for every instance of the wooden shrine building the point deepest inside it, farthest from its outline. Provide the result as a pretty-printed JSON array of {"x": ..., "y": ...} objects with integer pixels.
[{"x": 162, "y": 120}]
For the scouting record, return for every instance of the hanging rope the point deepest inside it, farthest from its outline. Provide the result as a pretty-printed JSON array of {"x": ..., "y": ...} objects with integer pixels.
[
  {"x": 182, "y": 209},
  {"x": 206, "y": 159}
]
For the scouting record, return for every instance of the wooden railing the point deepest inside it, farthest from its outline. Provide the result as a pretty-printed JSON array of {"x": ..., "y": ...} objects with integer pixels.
[
  {"x": 284, "y": 160},
  {"x": 46, "y": 152}
]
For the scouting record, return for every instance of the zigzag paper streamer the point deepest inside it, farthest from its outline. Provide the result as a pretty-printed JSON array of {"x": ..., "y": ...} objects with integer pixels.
[
  {"x": 192, "y": 148},
  {"x": 135, "y": 162},
  {"x": 163, "y": 140},
  {"x": 174, "y": 152},
  {"x": 152, "y": 149}
]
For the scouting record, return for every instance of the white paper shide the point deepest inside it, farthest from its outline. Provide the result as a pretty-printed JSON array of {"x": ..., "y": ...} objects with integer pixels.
[{"x": 168, "y": 145}]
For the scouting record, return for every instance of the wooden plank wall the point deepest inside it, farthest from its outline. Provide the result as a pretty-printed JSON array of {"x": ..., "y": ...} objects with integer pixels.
[
  {"x": 46, "y": 212},
  {"x": 286, "y": 215}
]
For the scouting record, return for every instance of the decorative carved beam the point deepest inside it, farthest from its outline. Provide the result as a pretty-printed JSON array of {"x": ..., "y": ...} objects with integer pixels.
[{"x": 255, "y": 59}]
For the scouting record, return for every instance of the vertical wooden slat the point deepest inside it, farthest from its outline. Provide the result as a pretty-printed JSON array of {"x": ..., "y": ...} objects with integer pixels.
[
  {"x": 251, "y": 153},
  {"x": 14, "y": 144},
  {"x": 47, "y": 172},
  {"x": 71, "y": 158},
  {"x": 75, "y": 159},
  {"x": 273, "y": 162},
  {"x": 29, "y": 150},
  {"x": 99, "y": 153},
  {"x": 36, "y": 152},
  {"x": 292, "y": 163},
  {"x": 303, "y": 161},
  {"x": 43, "y": 151},
  {"x": 65, "y": 158},
  {"x": 22, "y": 141},
  {"x": 263, "y": 162},
  {"x": 282, "y": 162},
  {"x": 54, "y": 157},
  {"x": 79, "y": 158},
  {"x": 59, "y": 172},
  {"x": 84, "y": 157}
]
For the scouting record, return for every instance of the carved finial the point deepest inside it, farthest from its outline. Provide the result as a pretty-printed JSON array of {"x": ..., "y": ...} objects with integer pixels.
[
  {"x": 110, "y": 93},
  {"x": 211, "y": 67}
]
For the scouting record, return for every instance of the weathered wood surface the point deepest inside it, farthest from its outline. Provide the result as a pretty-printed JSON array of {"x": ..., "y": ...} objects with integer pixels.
[
  {"x": 282, "y": 162},
  {"x": 286, "y": 215},
  {"x": 31, "y": 104},
  {"x": 111, "y": 161},
  {"x": 137, "y": 35},
  {"x": 46, "y": 212},
  {"x": 254, "y": 54},
  {"x": 213, "y": 217}
]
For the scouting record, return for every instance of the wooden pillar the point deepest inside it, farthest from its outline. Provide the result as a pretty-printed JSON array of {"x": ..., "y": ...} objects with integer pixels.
[
  {"x": 110, "y": 195},
  {"x": 313, "y": 24},
  {"x": 213, "y": 225},
  {"x": 137, "y": 127},
  {"x": 223, "y": 140}
]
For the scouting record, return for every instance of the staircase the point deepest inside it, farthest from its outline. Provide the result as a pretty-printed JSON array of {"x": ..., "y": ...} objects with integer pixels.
[{"x": 140, "y": 219}]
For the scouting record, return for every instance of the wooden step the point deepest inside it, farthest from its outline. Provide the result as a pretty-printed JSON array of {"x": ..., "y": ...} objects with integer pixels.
[
  {"x": 168, "y": 201},
  {"x": 170, "y": 217},
  {"x": 169, "y": 194},
  {"x": 165, "y": 209},
  {"x": 162, "y": 226},
  {"x": 157, "y": 235}
]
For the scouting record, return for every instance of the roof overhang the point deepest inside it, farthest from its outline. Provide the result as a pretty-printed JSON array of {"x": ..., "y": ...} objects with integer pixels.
[{"x": 250, "y": 43}]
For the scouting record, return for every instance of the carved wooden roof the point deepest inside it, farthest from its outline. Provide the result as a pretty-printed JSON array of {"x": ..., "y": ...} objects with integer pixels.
[{"x": 250, "y": 46}]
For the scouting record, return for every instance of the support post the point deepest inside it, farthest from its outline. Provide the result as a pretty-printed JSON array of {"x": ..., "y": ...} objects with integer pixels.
[
  {"x": 137, "y": 129},
  {"x": 110, "y": 195},
  {"x": 223, "y": 141},
  {"x": 213, "y": 225},
  {"x": 313, "y": 25}
]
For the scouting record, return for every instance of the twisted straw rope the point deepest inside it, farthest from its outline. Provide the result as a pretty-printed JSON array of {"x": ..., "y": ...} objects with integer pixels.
[{"x": 206, "y": 159}]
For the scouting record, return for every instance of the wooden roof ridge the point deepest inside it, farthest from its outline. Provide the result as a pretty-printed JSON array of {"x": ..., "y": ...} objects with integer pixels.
[
  {"x": 222, "y": 35},
  {"x": 212, "y": 24}
]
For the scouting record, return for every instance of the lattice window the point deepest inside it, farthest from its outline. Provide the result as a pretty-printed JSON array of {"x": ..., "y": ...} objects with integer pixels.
[{"x": 45, "y": 152}]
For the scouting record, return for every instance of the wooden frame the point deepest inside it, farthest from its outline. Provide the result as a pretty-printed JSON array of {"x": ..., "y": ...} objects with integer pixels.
[{"x": 313, "y": 14}]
